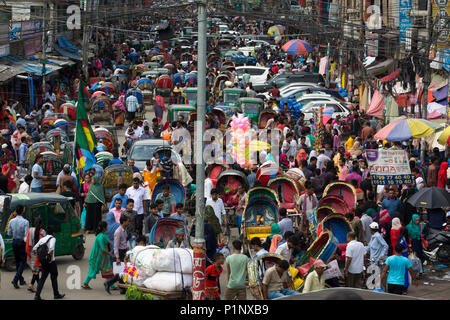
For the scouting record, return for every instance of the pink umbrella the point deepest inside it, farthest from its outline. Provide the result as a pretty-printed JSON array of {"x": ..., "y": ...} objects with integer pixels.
[{"x": 98, "y": 93}]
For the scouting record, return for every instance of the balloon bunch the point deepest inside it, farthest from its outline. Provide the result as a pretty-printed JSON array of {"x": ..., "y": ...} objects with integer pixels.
[{"x": 240, "y": 127}]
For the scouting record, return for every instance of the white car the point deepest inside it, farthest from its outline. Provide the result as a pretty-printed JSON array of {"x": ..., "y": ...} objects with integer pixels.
[
  {"x": 258, "y": 75},
  {"x": 223, "y": 28},
  {"x": 291, "y": 88},
  {"x": 339, "y": 108},
  {"x": 260, "y": 44},
  {"x": 307, "y": 98}
]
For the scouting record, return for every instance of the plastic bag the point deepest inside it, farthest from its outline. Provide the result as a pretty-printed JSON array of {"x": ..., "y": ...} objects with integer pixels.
[
  {"x": 83, "y": 218},
  {"x": 416, "y": 263}
]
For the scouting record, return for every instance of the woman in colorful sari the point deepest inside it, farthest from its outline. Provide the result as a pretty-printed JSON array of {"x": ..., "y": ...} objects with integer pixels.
[
  {"x": 95, "y": 202},
  {"x": 100, "y": 257},
  {"x": 33, "y": 236}
]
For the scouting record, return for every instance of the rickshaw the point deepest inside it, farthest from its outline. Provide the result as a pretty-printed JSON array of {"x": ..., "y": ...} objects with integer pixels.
[
  {"x": 104, "y": 136},
  {"x": 257, "y": 267},
  {"x": 267, "y": 172},
  {"x": 265, "y": 116},
  {"x": 178, "y": 78},
  {"x": 52, "y": 166},
  {"x": 151, "y": 65},
  {"x": 287, "y": 192},
  {"x": 103, "y": 158},
  {"x": 176, "y": 188},
  {"x": 159, "y": 58},
  {"x": 228, "y": 64},
  {"x": 52, "y": 118},
  {"x": 213, "y": 170},
  {"x": 109, "y": 88},
  {"x": 101, "y": 109},
  {"x": 138, "y": 69},
  {"x": 35, "y": 149},
  {"x": 190, "y": 94},
  {"x": 69, "y": 109},
  {"x": 344, "y": 191},
  {"x": 176, "y": 110},
  {"x": 228, "y": 183},
  {"x": 251, "y": 107},
  {"x": 339, "y": 227},
  {"x": 68, "y": 153},
  {"x": 57, "y": 138},
  {"x": 231, "y": 96},
  {"x": 190, "y": 78},
  {"x": 219, "y": 83},
  {"x": 146, "y": 86},
  {"x": 298, "y": 176},
  {"x": 114, "y": 176},
  {"x": 164, "y": 230},
  {"x": 264, "y": 193},
  {"x": 163, "y": 85},
  {"x": 54, "y": 210},
  {"x": 259, "y": 215},
  {"x": 338, "y": 204}
]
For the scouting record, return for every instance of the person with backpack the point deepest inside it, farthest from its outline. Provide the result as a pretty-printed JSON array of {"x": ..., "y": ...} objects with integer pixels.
[
  {"x": 33, "y": 236},
  {"x": 45, "y": 252}
]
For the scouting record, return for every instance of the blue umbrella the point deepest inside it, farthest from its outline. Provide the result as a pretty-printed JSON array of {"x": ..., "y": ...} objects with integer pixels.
[
  {"x": 297, "y": 47},
  {"x": 144, "y": 80}
]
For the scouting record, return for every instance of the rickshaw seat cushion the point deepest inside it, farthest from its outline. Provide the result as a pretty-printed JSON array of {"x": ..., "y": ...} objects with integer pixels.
[
  {"x": 342, "y": 247},
  {"x": 287, "y": 206},
  {"x": 305, "y": 268},
  {"x": 214, "y": 182}
]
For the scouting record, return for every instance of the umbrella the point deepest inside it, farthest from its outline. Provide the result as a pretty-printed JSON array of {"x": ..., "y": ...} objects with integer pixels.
[
  {"x": 430, "y": 198},
  {"x": 144, "y": 80},
  {"x": 405, "y": 129},
  {"x": 444, "y": 138},
  {"x": 297, "y": 47},
  {"x": 327, "y": 114},
  {"x": 98, "y": 93},
  {"x": 275, "y": 30}
]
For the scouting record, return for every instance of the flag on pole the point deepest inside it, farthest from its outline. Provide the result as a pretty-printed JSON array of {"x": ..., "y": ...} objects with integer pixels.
[{"x": 85, "y": 140}]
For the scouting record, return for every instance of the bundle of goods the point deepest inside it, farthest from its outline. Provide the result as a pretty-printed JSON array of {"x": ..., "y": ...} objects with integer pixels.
[{"x": 160, "y": 269}]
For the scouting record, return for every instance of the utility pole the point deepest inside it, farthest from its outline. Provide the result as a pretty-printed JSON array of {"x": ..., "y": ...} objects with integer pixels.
[
  {"x": 199, "y": 243},
  {"x": 85, "y": 44},
  {"x": 44, "y": 41}
]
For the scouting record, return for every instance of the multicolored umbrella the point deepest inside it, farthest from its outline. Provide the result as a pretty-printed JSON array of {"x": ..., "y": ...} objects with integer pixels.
[
  {"x": 297, "y": 47},
  {"x": 277, "y": 30},
  {"x": 327, "y": 114},
  {"x": 444, "y": 138},
  {"x": 405, "y": 129}
]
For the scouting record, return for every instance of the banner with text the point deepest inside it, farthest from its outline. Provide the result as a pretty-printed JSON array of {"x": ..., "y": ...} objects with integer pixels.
[{"x": 389, "y": 167}]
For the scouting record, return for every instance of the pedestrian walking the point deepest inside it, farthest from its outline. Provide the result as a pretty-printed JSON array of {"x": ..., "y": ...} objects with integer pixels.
[
  {"x": 49, "y": 266},
  {"x": 354, "y": 263},
  {"x": 95, "y": 202},
  {"x": 237, "y": 273},
  {"x": 33, "y": 236},
  {"x": 18, "y": 228}
]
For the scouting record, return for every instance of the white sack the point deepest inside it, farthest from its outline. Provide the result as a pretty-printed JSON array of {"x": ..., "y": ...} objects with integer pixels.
[
  {"x": 169, "y": 281},
  {"x": 174, "y": 260}
]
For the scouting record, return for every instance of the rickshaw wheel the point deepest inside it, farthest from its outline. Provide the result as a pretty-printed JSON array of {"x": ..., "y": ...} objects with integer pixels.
[
  {"x": 78, "y": 253},
  {"x": 10, "y": 263}
]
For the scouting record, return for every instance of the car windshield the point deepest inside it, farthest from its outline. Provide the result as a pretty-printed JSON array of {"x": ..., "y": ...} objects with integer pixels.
[
  {"x": 251, "y": 107},
  {"x": 143, "y": 152},
  {"x": 231, "y": 97}
]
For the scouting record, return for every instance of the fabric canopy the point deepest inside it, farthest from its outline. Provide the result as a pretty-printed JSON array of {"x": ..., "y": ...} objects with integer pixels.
[{"x": 376, "y": 106}]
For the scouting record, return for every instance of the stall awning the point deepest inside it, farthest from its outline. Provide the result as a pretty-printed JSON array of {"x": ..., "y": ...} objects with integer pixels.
[
  {"x": 8, "y": 72},
  {"x": 29, "y": 66}
]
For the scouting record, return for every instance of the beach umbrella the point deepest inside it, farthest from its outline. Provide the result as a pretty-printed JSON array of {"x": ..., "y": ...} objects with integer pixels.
[
  {"x": 275, "y": 30},
  {"x": 405, "y": 129},
  {"x": 297, "y": 47},
  {"x": 444, "y": 138},
  {"x": 430, "y": 198}
]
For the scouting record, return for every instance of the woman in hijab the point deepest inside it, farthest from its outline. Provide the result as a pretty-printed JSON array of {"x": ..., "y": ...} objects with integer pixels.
[
  {"x": 274, "y": 238},
  {"x": 284, "y": 160},
  {"x": 415, "y": 231},
  {"x": 395, "y": 231},
  {"x": 442, "y": 175},
  {"x": 95, "y": 202},
  {"x": 211, "y": 217}
]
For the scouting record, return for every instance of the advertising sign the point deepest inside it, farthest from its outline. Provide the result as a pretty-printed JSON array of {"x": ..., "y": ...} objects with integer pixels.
[
  {"x": 441, "y": 10},
  {"x": 405, "y": 18},
  {"x": 389, "y": 167}
]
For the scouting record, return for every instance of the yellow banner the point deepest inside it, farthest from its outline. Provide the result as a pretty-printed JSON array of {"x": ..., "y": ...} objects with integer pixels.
[{"x": 441, "y": 10}]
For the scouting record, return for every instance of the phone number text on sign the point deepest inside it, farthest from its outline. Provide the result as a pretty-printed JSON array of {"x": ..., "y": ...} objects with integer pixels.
[{"x": 393, "y": 180}]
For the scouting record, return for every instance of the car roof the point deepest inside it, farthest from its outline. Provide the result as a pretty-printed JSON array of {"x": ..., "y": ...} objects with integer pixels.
[
  {"x": 254, "y": 67},
  {"x": 150, "y": 142}
]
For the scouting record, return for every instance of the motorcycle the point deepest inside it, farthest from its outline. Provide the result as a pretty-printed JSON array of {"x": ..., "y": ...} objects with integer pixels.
[{"x": 438, "y": 246}]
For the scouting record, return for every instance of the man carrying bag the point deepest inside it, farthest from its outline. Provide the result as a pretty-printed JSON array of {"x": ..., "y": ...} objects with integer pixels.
[{"x": 45, "y": 251}]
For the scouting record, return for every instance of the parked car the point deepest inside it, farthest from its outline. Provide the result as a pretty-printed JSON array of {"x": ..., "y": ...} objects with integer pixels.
[
  {"x": 142, "y": 150},
  {"x": 258, "y": 75},
  {"x": 282, "y": 79},
  {"x": 340, "y": 108},
  {"x": 307, "y": 98},
  {"x": 240, "y": 58},
  {"x": 258, "y": 44}
]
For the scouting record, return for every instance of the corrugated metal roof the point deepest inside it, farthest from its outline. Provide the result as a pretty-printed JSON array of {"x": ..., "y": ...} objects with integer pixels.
[
  {"x": 29, "y": 66},
  {"x": 8, "y": 72}
]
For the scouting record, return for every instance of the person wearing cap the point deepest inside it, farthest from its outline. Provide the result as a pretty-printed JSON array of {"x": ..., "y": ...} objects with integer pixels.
[
  {"x": 276, "y": 281},
  {"x": 179, "y": 241},
  {"x": 315, "y": 279},
  {"x": 377, "y": 247}
]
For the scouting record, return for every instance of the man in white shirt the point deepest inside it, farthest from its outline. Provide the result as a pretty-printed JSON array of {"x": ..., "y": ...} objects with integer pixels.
[
  {"x": 208, "y": 186},
  {"x": 321, "y": 159},
  {"x": 217, "y": 204},
  {"x": 307, "y": 202},
  {"x": 25, "y": 186},
  {"x": 140, "y": 197},
  {"x": 132, "y": 106},
  {"x": 289, "y": 146},
  {"x": 354, "y": 262},
  {"x": 285, "y": 250},
  {"x": 48, "y": 268}
]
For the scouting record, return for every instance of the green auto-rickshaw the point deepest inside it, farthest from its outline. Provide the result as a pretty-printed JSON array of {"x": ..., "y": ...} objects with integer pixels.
[
  {"x": 231, "y": 96},
  {"x": 55, "y": 210},
  {"x": 190, "y": 94},
  {"x": 251, "y": 107},
  {"x": 176, "y": 110}
]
